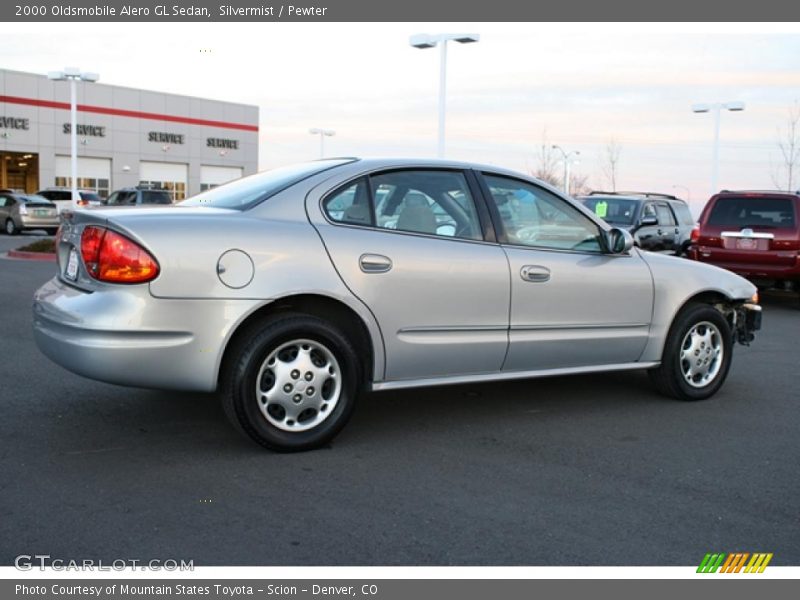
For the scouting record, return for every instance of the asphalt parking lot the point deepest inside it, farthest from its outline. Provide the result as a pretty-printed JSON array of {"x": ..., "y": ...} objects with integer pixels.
[{"x": 591, "y": 470}]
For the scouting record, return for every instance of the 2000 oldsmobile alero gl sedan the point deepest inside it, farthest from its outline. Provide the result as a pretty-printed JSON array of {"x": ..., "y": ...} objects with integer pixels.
[{"x": 294, "y": 290}]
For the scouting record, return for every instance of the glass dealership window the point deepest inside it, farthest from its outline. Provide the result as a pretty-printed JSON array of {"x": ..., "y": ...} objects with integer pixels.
[
  {"x": 176, "y": 189},
  {"x": 100, "y": 186}
]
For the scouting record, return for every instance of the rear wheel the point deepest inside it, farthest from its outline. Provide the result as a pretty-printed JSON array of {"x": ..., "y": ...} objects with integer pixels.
[
  {"x": 697, "y": 354},
  {"x": 11, "y": 227},
  {"x": 291, "y": 384}
]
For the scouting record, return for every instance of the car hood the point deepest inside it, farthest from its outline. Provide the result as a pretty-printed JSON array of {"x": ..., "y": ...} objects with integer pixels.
[{"x": 696, "y": 276}]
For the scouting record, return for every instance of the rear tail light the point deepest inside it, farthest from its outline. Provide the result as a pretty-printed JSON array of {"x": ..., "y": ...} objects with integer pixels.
[
  {"x": 23, "y": 210},
  {"x": 695, "y": 235},
  {"x": 112, "y": 257}
]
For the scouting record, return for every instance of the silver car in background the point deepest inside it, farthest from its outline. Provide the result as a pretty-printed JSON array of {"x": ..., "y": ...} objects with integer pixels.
[
  {"x": 20, "y": 212},
  {"x": 294, "y": 290}
]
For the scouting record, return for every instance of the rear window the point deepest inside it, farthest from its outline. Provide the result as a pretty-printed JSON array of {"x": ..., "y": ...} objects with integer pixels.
[
  {"x": 613, "y": 210},
  {"x": 57, "y": 194},
  {"x": 241, "y": 194},
  {"x": 156, "y": 197},
  {"x": 769, "y": 213},
  {"x": 89, "y": 197},
  {"x": 34, "y": 199}
]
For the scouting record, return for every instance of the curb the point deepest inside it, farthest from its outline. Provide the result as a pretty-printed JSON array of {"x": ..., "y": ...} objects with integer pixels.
[{"x": 48, "y": 256}]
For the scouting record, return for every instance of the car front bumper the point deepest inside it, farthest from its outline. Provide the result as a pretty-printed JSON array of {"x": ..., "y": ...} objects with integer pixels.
[{"x": 123, "y": 335}]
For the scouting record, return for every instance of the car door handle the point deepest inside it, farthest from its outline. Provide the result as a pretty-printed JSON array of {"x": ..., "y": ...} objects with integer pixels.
[
  {"x": 375, "y": 263},
  {"x": 535, "y": 273}
]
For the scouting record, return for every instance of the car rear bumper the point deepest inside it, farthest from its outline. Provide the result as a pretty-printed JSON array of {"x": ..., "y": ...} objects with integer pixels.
[
  {"x": 30, "y": 222},
  {"x": 778, "y": 267},
  {"x": 123, "y": 335}
]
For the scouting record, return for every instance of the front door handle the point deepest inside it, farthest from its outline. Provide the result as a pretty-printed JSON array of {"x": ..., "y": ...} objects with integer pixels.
[
  {"x": 375, "y": 263},
  {"x": 535, "y": 273}
]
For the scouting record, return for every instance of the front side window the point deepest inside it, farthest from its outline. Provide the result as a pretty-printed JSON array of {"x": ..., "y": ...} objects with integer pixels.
[{"x": 532, "y": 216}]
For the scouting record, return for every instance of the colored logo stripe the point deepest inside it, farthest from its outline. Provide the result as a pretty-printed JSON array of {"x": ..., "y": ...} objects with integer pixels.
[
  {"x": 119, "y": 112},
  {"x": 733, "y": 563}
]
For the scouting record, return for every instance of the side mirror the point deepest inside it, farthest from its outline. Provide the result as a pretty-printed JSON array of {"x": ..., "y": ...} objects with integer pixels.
[
  {"x": 619, "y": 241},
  {"x": 648, "y": 221}
]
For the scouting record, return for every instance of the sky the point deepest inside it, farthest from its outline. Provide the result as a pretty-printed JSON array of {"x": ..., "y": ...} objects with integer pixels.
[{"x": 576, "y": 85}]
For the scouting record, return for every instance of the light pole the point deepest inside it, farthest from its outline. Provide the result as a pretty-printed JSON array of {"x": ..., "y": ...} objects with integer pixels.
[
  {"x": 566, "y": 158},
  {"x": 423, "y": 41},
  {"x": 716, "y": 108},
  {"x": 322, "y": 133},
  {"x": 73, "y": 74}
]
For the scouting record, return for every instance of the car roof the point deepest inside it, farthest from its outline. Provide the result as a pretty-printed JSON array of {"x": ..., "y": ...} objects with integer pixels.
[{"x": 758, "y": 193}]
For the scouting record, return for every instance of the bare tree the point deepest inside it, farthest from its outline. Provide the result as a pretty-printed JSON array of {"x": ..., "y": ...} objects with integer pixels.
[
  {"x": 547, "y": 164},
  {"x": 789, "y": 147},
  {"x": 610, "y": 162},
  {"x": 579, "y": 184}
]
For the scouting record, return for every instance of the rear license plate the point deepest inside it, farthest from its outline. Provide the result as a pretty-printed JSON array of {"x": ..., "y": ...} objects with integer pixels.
[
  {"x": 42, "y": 213},
  {"x": 746, "y": 244},
  {"x": 71, "y": 272}
]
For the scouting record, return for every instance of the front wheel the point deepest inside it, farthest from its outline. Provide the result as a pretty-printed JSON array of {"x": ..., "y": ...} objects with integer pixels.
[
  {"x": 697, "y": 354},
  {"x": 291, "y": 384}
]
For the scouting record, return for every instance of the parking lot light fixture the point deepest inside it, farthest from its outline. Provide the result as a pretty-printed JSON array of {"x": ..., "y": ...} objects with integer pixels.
[
  {"x": 322, "y": 133},
  {"x": 567, "y": 158},
  {"x": 422, "y": 41},
  {"x": 73, "y": 75},
  {"x": 716, "y": 109}
]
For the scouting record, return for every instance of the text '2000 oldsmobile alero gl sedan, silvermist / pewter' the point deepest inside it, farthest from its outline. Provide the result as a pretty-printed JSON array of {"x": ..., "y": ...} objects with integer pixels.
[{"x": 295, "y": 290}]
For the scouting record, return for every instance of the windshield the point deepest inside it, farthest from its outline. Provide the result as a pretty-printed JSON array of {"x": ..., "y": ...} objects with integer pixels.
[
  {"x": 248, "y": 191},
  {"x": 613, "y": 210},
  {"x": 769, "y": 213}
]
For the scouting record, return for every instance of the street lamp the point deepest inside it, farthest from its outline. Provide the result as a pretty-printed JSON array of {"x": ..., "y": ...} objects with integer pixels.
[
  {"x": 716, "y": 109},
  {"x": 73, "y": 75},
  {"x": 566, "y": 158},
  {"x": 322, "y": 133},
  {"x": 423, "y": 41}
]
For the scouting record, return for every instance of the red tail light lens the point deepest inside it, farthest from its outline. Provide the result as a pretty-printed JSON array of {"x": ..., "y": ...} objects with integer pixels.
[
  {"x": 112, "y": 257},
  {"x": 695, "y": 235}
]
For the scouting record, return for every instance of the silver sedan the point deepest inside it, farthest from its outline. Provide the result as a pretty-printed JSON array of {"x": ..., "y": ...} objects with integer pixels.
[{"x": 295, "y": 290}]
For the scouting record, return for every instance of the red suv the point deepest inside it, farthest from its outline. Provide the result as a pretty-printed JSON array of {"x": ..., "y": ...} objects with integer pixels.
[{"x": 753, "y": 233}]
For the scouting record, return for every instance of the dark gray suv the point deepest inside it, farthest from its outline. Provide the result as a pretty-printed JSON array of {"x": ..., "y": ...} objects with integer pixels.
[
  {"x": 658, "y": 222},
  {"x": 136, "y": 196}
]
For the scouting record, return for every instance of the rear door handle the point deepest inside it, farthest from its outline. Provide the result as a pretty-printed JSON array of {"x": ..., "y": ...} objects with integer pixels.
[
  {"x": 375, "y": 263},
  {"x": 535, "y": 273}
]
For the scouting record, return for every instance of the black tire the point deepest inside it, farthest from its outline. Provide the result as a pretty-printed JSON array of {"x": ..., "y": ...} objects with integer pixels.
[
  {"x": 669, "y": 377},
  {"x": 240, "y": 379},
  {"x": 51, "y": 231},
  {"x": 11, "y": 227}
]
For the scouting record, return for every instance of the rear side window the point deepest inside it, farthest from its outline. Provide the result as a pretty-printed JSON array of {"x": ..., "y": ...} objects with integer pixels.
[
  {"x": 432, "y": 202},
  {"x": 683, "y": 213},
  {"x": 770, "y": 213}
]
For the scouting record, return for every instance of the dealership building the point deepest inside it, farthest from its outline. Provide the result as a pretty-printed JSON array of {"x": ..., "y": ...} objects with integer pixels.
[{"x": 126, "y": 137}]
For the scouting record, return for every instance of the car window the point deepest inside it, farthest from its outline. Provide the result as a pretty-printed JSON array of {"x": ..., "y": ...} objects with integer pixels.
[
  {"x": 90, "y": 197},
  {"x": 241, "y": 194},
  {"x": 2, "y": 201},
  {"x": 753, "y": 212},
  {"x": 532, "y": 216},
  {"x": 619, "y": 211},
  {"x": 155, "y": 197},
  {"x": 665, "y": 217},
  {"x": 682, "y": 212},
  {"x": 649, "y": 210},
  {"x": 425, "y": 201},
  {"x": 350, "y": 204},
  {"x": 112, "y": 199}
]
